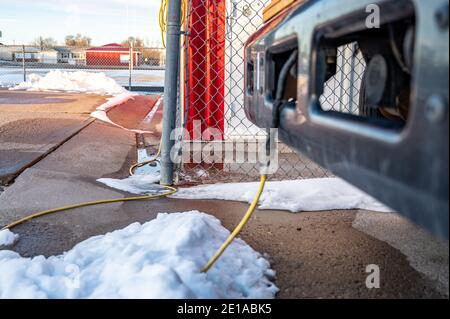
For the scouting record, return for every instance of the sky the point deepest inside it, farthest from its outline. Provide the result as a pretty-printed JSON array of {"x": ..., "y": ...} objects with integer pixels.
[{"x": 105, "y": 21}]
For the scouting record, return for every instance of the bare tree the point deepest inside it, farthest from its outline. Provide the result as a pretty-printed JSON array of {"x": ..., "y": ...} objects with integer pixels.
[
  {"x": 77, "y": 41},
  {"x": 44, "y": 43},
  {"x": 137, "y": 42}
]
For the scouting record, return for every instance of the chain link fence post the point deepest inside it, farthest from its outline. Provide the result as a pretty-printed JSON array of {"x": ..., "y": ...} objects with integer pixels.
[
  {"x": 23, "y": 64},
  {"x": 170, "y": 90},
  {"x": 130, "y": 64}
]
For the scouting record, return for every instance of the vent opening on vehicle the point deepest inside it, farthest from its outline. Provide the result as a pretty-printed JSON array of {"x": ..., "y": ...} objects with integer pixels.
[
  {"x": 275, "y": 62},
  {"x": 365, "y": 75},
  {"x": 250, "y": 77}
]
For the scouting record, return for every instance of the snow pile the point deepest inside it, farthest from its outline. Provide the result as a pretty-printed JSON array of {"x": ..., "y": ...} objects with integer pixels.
[
  {"x": 135, "y": 184},
  {"x": 159, "y": 259},
  {"x": 294, "y": 195},
  {"x": 7, "y": 237},
  {"x": 80, "y": 81}
]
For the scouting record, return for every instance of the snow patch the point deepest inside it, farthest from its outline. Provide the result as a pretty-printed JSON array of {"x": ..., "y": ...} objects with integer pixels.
[
  {"x": 315, "y": 194},
  {"x": 7, "y": 237},
  {"x": 159, "y": 259},
  {"x": 135, "y": 184},
  {"x": 79, "y": 81}
]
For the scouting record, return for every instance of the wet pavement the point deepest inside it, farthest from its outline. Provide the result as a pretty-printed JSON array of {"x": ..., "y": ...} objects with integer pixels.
[
  {"x": 315, "y": 254},
  {"x": 33, "y": 124}
]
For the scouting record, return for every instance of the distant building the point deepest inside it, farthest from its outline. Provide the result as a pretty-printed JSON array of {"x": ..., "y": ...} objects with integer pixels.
[
  {"x": 64, "y": 54},
  {"x": 15, "y": 53},
  {"x": 112, "y": 54},
  {"x": 78, "y": 56},
  {"x": 49, "y": 56},
  {"x": 73, "y": 56},
  {"x": 108, "y": 55}
]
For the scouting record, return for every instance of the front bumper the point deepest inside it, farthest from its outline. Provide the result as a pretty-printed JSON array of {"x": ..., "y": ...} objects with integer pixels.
[{"x": 406, "y": 169}]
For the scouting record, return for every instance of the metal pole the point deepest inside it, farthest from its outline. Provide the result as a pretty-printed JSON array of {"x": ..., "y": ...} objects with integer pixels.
[
  {"x": 23, "y": 64},
  {"x": 130, "y": 64},
  {"x": 170, "y": 89}
]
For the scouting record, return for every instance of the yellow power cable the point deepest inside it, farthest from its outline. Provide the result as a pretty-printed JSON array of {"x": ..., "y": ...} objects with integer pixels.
[
  {"x": 163, "y": 14},
  {"x": 171, "y": 190},
  {"x": 152, "y": 160},
  {"x": 163, "y": 21},
  {"x": 239, "y": 227}
]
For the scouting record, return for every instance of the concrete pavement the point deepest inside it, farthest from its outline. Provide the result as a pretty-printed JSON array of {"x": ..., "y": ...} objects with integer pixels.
[
  {"x": 425, "y": 253},
  {"x": 68, "y": 176},
  {"x": 315, "y": 255},
  {"x": 32, "y": 124}
]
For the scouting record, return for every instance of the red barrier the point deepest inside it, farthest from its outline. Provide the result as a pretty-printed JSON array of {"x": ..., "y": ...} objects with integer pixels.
[{"x": 206, "y": 65}]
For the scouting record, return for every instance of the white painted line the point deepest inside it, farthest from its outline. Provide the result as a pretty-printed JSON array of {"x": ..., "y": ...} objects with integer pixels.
[{"x": 152, "y": 113}]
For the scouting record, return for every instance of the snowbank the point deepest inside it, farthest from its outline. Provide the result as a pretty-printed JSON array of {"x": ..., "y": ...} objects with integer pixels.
[
  {"x": 159, "y": 259},
  {"x": 80, "y": 81},
  {"x": 7, "y": 237},
  {"x": 12, "y": 76}
]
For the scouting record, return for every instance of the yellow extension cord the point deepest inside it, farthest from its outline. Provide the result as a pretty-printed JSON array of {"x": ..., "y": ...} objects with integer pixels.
[
  {"x": 239, "y": 227},
  {"x": 171, "y": 190},
  {"x": 162, "y": 17}
]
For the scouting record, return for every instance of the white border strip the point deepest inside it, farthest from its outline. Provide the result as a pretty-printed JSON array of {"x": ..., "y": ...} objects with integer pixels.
[{"x": 101, "y": 112}]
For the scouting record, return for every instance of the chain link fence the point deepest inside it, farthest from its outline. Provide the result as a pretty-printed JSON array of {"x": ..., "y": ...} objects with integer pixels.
[
  {"x": 342, "y": 91},
  {"x": 211, "y": 92},
  {"x": 212, "y": 100},
  {"x": 134, "y": 68}
]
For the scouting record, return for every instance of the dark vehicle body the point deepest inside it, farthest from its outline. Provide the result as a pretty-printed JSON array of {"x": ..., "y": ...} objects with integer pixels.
[{"x": 395, "y": 147}]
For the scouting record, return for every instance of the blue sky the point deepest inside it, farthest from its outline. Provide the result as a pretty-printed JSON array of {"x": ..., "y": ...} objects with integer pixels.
[{"x": 105, "y": 21}]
